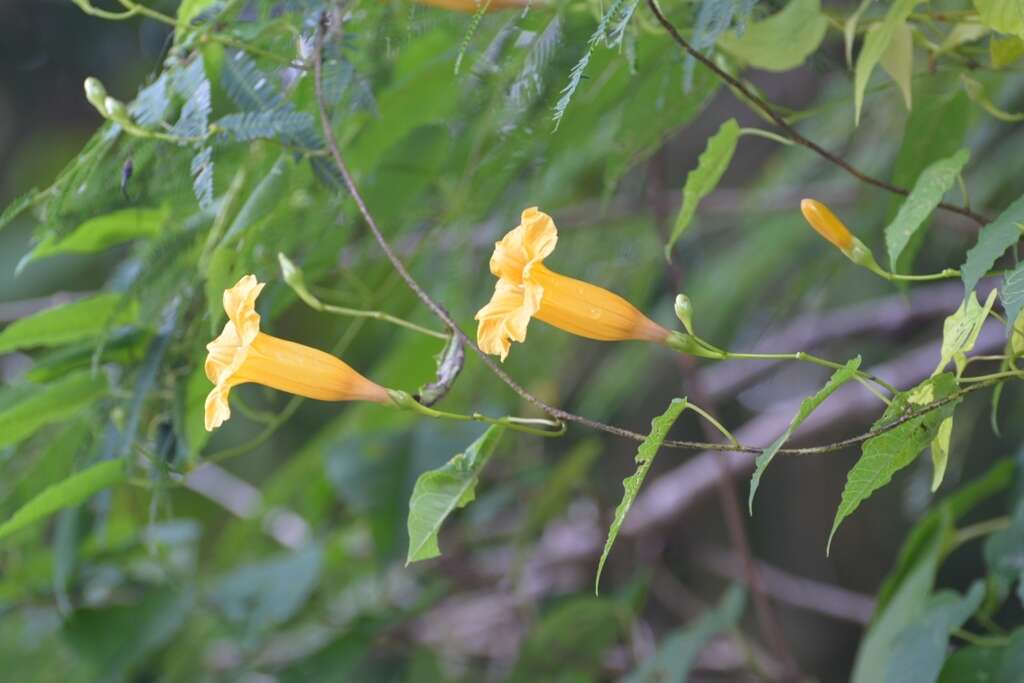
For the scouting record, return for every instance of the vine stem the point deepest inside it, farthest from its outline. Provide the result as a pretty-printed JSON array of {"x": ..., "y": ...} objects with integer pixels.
[
  {"x": 559, "y": 413},
  {"x": 789, "y": 130}
]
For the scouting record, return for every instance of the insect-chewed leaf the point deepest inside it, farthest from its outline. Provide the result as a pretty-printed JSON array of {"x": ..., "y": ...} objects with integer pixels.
[
  {"x": 702, "y": 180},
  {"x": 960, "y": 330},
  {"x": 809, "y": 404},
  {"x": 72, "y": 491},
  {"x": 439, "y": 492},
  {"x": 993, "y": 240},
  {"x": 891, "y": 451},
  {"x": 931, "y": 185},
  {"x": 644, "y": 458}
]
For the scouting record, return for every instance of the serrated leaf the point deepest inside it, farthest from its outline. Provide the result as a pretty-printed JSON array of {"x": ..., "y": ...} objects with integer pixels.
[
  {"x": 102, "y": 232},
  {"x": 702, "y": 180},
  {"x": 875, "y": 45},
  {"x": 68, "y": 323},
  {"x": 631, "y": 485},
  {"x": 898, "y": 60},
  {"x": 782, "y": 41},
  {"x": 928, "y": 191},
  {"x": 1005, "y": 16},
  {"x": 993, "y": 241},
  {"x": 678, "y": 651},
  {"x": 920, "y": 649},
  {"x": 273, "y": 125},
  {"x": 1012, "y": 296},
  {"x": 70, "y": 492},
  {"x": 440, "y": 492},
  {"x": 885, "y": 454},
  {"x": 960, "y": 331},
  {"x": 50, "y": 403},
  {"x": 807, "y": 406}
]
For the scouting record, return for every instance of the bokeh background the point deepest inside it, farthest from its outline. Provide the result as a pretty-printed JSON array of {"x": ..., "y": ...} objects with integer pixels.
[{"x": 287, "y": 561}]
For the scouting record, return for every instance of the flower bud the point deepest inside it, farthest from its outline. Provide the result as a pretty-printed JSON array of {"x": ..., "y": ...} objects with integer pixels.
[
  {"x": 96, "y": 94},
  {"x": 826, "y": 224},
  {"x": 684, "y": 311},
  {"x": 116, "y": 110}
]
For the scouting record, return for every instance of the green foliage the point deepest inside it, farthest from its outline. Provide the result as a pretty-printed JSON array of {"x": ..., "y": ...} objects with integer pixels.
[
  {"x": 703, "y": 179},
  {"x": 439, "y": 492},
  {"x": 68, "y": 323},
  {"x": 675, "y": 656},
  {"x": 875, "y": 45},
  {"x": 931, "y": 186},
  {"x": 993, "y": 240},
  {"x": 74, "y": 490},
  {"x": 782, "y": 41},
  {"x": 885, "y": 454},
  {"x": 961, "y": 329},
  {"x": 644, "y": 459},
  {"x": 50, "y": 403},
  {"x": 807, "y": 406},
  {"x": 102, "y": 232}
]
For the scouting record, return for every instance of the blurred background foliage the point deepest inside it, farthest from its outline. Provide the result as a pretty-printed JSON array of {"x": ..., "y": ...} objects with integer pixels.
[{"x": 274, "y": 548}]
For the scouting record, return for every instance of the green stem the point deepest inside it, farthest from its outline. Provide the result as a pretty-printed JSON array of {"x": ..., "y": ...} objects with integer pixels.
[
  {"x": 768, "y": 135},
  {"x": 809, "y": 358},
  {"x": 718, "y": 425},
  {"x": 969, "y": 533},
  {"x": 380, "y": 315},
  {"x": 975, "y": 639},
  {"x": 520, "y": 424},
  {"x": 941, "y": 275},
  {"x": 136, "y": 8}
]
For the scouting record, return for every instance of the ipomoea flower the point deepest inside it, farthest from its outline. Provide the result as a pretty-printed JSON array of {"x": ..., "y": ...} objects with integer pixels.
[
  {"x": 527, "y": 289},
  {"x": 244, "y": 354}
]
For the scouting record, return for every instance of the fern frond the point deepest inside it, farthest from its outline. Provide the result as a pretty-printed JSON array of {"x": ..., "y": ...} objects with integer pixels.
[
  {"x": 275, "y": 125},
  {"x": 248, "y": 86},
  {"x": 151, "y": 103}
]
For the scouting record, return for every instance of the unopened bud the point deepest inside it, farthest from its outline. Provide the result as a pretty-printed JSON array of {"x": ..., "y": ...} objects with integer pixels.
[
  {"x": 96, "y": 94},
  {"x": 684, "y": 311}
]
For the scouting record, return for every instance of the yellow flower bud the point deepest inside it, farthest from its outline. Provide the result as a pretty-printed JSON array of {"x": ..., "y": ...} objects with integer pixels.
[{"x": 827, "y": 224}]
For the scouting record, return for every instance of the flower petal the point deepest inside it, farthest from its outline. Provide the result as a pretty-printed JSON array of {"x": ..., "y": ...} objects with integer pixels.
[
  {"x": 530, "y": 242},
  {"x": 240, "y": 305},
  {"x": 505, "y": 318},
  {"x": 217, "y": 408}
]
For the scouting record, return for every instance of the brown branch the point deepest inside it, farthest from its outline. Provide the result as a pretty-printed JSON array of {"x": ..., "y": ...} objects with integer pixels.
[
  {"x": 558, "y": 413},
  {"x": 789, "y": 130}
]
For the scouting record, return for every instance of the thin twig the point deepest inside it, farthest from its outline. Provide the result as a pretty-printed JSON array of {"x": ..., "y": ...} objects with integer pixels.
[
  {"x": 789, "y": 130},
  {"x": 559, "y": 413}
]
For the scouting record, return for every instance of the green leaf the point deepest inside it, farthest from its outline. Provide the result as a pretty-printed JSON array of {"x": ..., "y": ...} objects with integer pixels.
[
  {"x": 115, "y": 640},
  {"x": 439, "y": 492},
  {"x": 644, "y": 458},
  {"x": 97, "y": 234},
  {"x": 1012, "y": 295},
  {"x": 51, "y": 403},
  {"x": 1005, "y": 16},
  {"x": 247, "y": 86},
  {"x": 68, "y": 323},
  {"x": 1004, "y": 553},
  {"x": 74, "y": 490},
  {"x": 875, "y": 45},
  {"x": 264, "y": 198},
  {"x": 1003, "y": 52},
  {"x": 920, "y": 649},
  {"x": 940, "y": 452},
  {"x": 850, "y": 31},
  {"x": 960, "y": 330},
  {"x": 18, "y": 206},
  {"x": 702, "y": 180},
  {"x": 908, "y": 591},
  {"x": 993, "y": 240},
  {"x": 201, "y": 168},
  {"x": 189, "y": 10},
  {"x": 809, "y": 405},
  {"x": 270, "y": 124},
  {"x": 928, "y": 191},
  {"x": 891, "y": 451},
  {"x": 782, "y": 41},
  {"x": 898, "y": 60},
  {"x": 677, "y": 652}
]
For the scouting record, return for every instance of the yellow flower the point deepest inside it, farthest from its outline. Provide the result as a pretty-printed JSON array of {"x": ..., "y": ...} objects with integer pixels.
[
  {"x": 827, "y": 224},
  {"x": 244, "y": 354},
  {"x": 471, "y": 6},
  {"x": 527, "y": 289}
]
